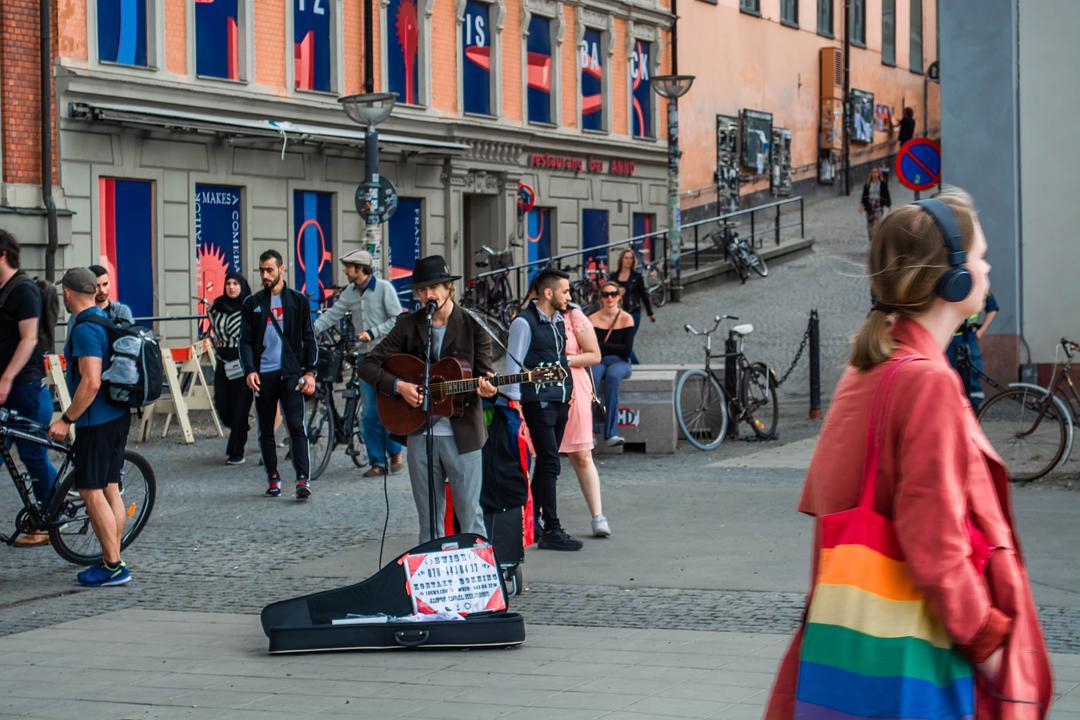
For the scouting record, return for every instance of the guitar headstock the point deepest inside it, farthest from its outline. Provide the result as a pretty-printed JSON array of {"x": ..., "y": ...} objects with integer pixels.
[{"x": 547, "y": 374}]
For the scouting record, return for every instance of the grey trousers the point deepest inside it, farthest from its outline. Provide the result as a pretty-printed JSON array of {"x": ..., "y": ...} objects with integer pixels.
[{"x": 465, "y": 473}]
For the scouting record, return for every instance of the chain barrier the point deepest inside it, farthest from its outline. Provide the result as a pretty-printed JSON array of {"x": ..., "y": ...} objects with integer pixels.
[{"x": 798, "y": 355}]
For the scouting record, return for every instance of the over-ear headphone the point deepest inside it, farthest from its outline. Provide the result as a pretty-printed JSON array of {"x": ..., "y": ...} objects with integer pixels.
[{"x": 955, "y": 284}]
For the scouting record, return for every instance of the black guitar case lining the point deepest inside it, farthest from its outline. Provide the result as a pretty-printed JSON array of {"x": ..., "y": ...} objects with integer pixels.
[{"x": 305, "y": 624}]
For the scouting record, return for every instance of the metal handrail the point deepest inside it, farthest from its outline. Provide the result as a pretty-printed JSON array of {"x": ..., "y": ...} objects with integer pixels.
[{"x": 520, "y": 270}]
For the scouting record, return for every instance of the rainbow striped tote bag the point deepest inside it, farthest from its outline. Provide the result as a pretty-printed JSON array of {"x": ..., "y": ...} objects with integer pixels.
[{"x": 871, "y": 647}]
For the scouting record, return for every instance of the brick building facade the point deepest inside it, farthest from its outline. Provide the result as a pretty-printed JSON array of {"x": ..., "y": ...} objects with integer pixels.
[{"x": 194, "y": 134}]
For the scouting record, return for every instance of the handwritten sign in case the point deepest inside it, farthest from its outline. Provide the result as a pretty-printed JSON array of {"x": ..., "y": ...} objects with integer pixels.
[{"x": 457, "y": 580}]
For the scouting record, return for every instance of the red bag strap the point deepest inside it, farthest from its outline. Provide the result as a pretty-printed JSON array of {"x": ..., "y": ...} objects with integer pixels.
[{"x": 873, "y": 435}]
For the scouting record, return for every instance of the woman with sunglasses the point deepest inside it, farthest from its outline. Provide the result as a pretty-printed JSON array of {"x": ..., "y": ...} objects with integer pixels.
[
  {"x": 635, "y": 296},
  {"x": 615, "y": 331}
]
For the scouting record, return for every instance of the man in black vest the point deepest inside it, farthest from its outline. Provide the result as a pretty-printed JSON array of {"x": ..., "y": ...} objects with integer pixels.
[
  {"x": 538, "y": 335},
  {"x": 279, "y": 354}
]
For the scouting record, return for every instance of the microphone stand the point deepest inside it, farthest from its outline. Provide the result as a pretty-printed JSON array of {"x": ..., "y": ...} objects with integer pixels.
[{"x": 429, "y": 433}]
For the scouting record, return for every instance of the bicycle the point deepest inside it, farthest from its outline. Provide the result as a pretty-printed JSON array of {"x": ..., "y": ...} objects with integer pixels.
[
  {"x": 63, "y": 512},
  {"x": 739, "y": 252},
  {"x": 1031, "y": 427},
  {"x": 704, "y": 408},
  {"x": 653, "y": 273},
  {"x": 326, "y": 426}
]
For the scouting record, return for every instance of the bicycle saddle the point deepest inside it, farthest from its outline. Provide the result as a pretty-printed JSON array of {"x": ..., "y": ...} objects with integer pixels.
[{"x": 744, "y": 329}]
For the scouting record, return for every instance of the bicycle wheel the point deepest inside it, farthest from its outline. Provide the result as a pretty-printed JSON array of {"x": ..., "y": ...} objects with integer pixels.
[
  {"x": 1027, "y": 430},
  {"x": 757, "y": 264},
  {"x": 354, "y": 440},
  {"x": 654, "y": 285},
  {"x": 701, "y": 409},
  {"x": 320, "y": 433},
  {"x": 738, "y": 263},
  {"x": 758, "y": 395},
  {"x": 72, "y": 535}
]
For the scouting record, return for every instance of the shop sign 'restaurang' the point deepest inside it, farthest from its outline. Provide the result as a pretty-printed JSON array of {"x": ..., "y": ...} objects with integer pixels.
[{"x": 577, "y": 165}]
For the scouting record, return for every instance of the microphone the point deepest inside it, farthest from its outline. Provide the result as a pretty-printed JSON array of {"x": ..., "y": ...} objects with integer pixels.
[{"x": 431, "y": 306}]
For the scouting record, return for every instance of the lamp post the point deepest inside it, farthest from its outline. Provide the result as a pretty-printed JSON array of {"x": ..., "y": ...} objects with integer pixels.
[
  {"x": 370, "y": 109},
  {"x": 672, "y": 87}
]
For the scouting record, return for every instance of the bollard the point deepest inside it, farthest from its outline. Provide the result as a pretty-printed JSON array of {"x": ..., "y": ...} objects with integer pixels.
[{"x": 815, "y": 366}]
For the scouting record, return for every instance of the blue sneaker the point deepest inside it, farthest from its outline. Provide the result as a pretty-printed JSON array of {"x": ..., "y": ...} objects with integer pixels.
[{"x": 101, "y": 576}]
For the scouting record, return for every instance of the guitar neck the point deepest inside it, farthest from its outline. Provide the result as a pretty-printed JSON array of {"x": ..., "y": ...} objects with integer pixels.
[{"x": 459, "y": 387}]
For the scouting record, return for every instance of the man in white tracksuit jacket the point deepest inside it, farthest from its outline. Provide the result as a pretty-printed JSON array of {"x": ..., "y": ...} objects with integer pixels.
[{"x": 375, "y": 307}]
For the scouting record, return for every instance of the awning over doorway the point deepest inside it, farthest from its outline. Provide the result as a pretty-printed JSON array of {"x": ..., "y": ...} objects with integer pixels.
[{"x": 235, "y": 126}]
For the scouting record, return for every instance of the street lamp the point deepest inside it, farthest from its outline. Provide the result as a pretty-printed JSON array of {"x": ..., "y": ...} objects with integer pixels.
[
  {"x": 369, "y": 109},
  {"x": 672, "y": 87}
]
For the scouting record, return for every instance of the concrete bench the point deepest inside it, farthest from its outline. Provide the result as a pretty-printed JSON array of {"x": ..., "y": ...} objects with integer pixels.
[{"x": 647, "y": 411}]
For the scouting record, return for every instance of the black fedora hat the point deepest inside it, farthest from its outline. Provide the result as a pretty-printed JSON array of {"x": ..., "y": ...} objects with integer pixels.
[{"x": 430, "y": 270}]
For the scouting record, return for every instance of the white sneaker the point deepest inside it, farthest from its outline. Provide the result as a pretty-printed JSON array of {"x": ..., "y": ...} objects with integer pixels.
[
  {"x": 615, "y": 441},
  {"x": 600, "y": 527}
]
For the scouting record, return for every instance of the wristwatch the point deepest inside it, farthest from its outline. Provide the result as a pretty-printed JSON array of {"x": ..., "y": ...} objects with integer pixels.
[{"x": 66, "y": 419}]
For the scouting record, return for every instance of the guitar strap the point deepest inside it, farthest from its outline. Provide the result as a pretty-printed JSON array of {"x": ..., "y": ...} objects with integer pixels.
[{"x": 481, "y": 323}]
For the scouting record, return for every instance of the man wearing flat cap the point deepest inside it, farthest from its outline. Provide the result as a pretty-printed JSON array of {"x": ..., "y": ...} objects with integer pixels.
[
  {"x": 375, "y": 307},
  {"x": 458, "y": 441}
]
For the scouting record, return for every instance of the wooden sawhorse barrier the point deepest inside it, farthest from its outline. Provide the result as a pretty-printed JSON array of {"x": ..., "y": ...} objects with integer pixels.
[{"x": 184, "y": 364}]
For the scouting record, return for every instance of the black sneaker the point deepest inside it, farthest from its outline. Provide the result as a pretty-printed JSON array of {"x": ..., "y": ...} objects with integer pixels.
[
  {"x": 238, "y": 460},
  {"x": 303, "y": 488},
  {"x": 557, "y": 539},
  {"x": 274, "y": 482}
]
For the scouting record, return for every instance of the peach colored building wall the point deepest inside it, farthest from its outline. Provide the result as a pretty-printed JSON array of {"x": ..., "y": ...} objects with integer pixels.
[
  {"x": 176, "y": 36},
  {"x": 269, "y": 31},
  {"x": 742, "y": 61},
  {"x": 71, "y": 28},
  {"x": 353, "y": 16}
]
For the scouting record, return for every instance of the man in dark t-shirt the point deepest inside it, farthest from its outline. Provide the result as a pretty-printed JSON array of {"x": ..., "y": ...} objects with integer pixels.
[
  {"x": 22, "y": 368},
  {"x": 907, "y": 126}
]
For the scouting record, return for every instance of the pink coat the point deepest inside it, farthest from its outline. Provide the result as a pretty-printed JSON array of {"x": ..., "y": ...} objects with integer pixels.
[{"x": 936, "y": 468}]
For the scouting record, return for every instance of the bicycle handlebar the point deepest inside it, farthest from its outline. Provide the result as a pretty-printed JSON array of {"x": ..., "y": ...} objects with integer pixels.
[
  {"x": 719, "y": 319},
  {"x": 10, "y": 418},
  {"x": 1070, "y": 346}
]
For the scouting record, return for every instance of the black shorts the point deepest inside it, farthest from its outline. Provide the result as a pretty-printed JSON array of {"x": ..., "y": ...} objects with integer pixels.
[{"x": 99, "y": 453}]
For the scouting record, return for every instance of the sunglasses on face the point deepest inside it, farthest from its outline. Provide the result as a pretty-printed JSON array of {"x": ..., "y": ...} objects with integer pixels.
[{"x": 610, "y": 293}]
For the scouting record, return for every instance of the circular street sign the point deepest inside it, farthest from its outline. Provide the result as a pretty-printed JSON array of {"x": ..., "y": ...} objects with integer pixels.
[
  {"x": 376, "y": 202},
  {"x": 918, "y": 164},
  {"x": 526, "y": 198}
]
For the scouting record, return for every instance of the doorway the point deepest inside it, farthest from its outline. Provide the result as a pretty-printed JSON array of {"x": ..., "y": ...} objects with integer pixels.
[{"x": 480, "y": 223}]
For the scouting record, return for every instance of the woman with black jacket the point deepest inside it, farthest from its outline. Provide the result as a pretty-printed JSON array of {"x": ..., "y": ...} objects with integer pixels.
[
  {"x": 232, "y": 396},
  {"x": 634, "y": 295},
  {"x": 875, "y": 198}
]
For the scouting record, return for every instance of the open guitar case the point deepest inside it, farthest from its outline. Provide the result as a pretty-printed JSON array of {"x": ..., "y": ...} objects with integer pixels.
[{"x": 305, "y": 624}]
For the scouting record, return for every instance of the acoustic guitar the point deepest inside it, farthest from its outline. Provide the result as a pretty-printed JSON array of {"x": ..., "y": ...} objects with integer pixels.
[{"x": 451, "y": 380}]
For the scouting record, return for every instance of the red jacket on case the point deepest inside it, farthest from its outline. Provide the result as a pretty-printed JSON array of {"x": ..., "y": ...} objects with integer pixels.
[{"x": 937, "y": 470}]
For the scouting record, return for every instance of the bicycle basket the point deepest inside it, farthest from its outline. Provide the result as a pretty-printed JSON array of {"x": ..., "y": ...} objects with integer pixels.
[{"x": 329, "y": 366}]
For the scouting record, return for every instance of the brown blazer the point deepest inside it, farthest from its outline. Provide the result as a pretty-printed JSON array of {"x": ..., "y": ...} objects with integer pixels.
[
  {"x": 465, "y": 340},
  {"x": 936, "y": 470}
]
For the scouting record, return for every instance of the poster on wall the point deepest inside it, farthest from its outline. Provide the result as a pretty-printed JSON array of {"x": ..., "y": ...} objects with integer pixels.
[
  {"x": 402, "y": 49},
  {"x": 126, "y": 221},
  {"x": 538, "y": 232},
  {"x": 217, "y": 241},
  {"x": 121, "y": 31},
  {"x": 756, "y": 138},
  {"x": 863, "y": 117},
  {"x": 641, "y": 90},
  {"x": 538, "y": 49},
  {"x": 311, "y": 39},
  {"x": 642, "y": 225},
  {"x": 591, "y": 65},
  {"x": 476, "y": 57},
  {"x": 313, "y": 245},
  {"x": 217, "y": 39},
  {"x": 406, "y": 240},
  {"x": 594, "y": 234}
]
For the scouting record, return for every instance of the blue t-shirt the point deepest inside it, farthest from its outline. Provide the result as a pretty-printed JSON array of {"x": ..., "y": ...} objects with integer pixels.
[{"x": 89, "y": 340}]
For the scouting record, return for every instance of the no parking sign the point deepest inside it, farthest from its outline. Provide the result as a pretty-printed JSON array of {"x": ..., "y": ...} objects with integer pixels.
[{"x": 918, "y": 164}]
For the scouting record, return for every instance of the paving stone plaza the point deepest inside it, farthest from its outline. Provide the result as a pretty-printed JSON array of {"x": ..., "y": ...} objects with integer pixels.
[{"x": 683, "y": 612}]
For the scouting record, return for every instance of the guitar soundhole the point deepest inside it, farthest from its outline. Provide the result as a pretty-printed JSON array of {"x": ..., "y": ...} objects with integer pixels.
[{"x": 436, "y": 396}]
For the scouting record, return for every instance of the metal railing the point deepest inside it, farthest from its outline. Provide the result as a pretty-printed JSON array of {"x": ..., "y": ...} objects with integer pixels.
[{"x": 756, "y": 232}]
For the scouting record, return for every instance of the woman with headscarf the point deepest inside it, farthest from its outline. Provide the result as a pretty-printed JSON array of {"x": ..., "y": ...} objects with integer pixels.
[{"x": 232, "y": 397}]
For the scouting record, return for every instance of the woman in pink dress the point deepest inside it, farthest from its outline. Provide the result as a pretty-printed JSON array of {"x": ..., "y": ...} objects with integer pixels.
[{"x": 582, "y": 352}]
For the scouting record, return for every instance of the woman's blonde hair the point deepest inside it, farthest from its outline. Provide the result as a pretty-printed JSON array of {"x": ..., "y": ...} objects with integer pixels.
[
  {"x": 633, "y": 265},
  {"x": 907, "y": 257}
]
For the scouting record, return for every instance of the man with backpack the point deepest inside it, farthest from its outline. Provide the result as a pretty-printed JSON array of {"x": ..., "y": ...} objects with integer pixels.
[
  {"x": 115, "y": 310},
  {"x": 22, "y": 366},
  {"x": 101, "y": 427},
  {"x": 279, "y": 354}
]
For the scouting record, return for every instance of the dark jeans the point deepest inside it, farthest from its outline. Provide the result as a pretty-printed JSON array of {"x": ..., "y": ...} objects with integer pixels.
[
  {"x": 546, "y": 426},
  {"x": 972, "y": 382},
  {"x": 637, "y": 326},
  {"x": 273, "y": 390},
  {"x": 232, "y": 399},
  {"x": 610, "y": 373},
  {"x": 33, "y": 401}
]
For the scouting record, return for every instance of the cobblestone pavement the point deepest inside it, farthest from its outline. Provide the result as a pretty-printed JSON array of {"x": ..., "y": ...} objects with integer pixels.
[{"x": 215, "y": 544}]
